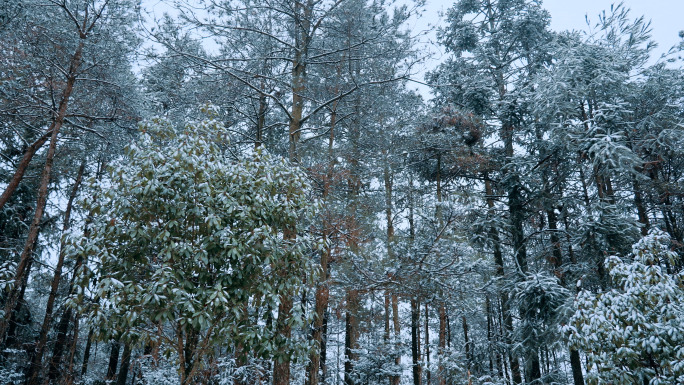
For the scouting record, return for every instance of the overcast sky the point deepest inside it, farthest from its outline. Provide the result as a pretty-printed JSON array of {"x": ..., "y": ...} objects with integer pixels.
[
  {"x": 667, "y": 19},
  {"x": 667, "y": 16}
]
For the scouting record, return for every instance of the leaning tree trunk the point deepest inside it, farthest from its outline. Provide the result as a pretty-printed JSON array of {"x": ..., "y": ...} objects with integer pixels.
[
  {"x": 21, "y": 168},
  {"x": 27, "y": 253},
  {"x": 14, "y": 323}
]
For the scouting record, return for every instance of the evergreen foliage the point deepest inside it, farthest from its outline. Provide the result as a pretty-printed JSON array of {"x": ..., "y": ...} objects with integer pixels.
[
  {"x": 182, "y": 236},
  {"x": 404, "y": 240},
  {"x": 634, "y": 333}
]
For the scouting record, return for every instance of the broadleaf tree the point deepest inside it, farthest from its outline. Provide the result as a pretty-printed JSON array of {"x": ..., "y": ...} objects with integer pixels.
[
  {"x": 634, "y": 333},
  {"x": 185, "y": 244}
]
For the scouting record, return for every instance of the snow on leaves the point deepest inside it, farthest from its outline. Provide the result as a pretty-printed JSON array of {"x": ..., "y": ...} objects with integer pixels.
[
  {"x": 634, "y": 333},
  {"x": 183, "y": 243}
]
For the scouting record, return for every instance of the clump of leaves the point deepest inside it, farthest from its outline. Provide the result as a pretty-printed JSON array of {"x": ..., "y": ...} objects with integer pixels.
[
  {"x": 188, "y": 249},
  {"x": 634, "y": 333}
]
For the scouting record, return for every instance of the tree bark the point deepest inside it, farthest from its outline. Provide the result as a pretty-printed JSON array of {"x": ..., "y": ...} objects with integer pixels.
[
  {"x": 27, "y": 253},
  {"x": 395, "y": 380},
  {"x": 69, "y": 375},
  {"x": 319, "y": 333},
  {"x": 490, "y": 339},
  {"x": 281, "y": 367},
  {"x": 113, "y": 361},
  {"x": 60, "y": 344},
  {"x": 641, "y": 208},
  {"x": 324, "y": 345},
  {"x": 86, "y": 353},
  {"x": 415, "y": 342},
  {"x": 21, "y": 168},
  {"x": 125, "y": 365},
  {"x": 576, "y": 364},
  {"x": 63, "y": 328},
  {"x": 322, "y": 296},
  {"x": 442, "y": 344},
  {"x": 302, "y": 14},
  {"x": 351, "y": 335},
  {"x": 13, "y": 322},
  {"x": 386, "y": 314},
  {"x": 36, "y": 363},
  {"x": 427, "y": 346},
  {"x": 498, "y": 260},
  {"x": 468, "y": 348}
]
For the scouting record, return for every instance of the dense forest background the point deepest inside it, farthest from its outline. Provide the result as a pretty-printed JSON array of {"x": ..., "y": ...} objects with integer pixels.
[{"x": 252, "y": 192}]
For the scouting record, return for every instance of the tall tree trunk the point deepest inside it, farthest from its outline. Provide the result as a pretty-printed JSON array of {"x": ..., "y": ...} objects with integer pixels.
[
  {"x": 14, "y": 322},
  {"x": 428, "y": 380},
  {"x": 415, "y": 342},
  {"x": 69, "y": 373},
  {"x": 322, "y": 296},
  {"x": 415, "y": 304},
  {"x": 395, "y": 380},
  {"x": 387, "y": 314},
  {"x": 557, "y": 262},
  {"x": 60, "y": 344},
  {"x": 125, "y": 365},
  {"x": 490, "y": 339},
  {"x": 302, "y": 15},
  {"x": 576, "y": 364},
  {"x": 351, "y": 335},
  {"x": 603, "y": 278},
  {"x": 499, "y": 262},
  {"x": 86, "y": 352},
  {"x": 36, "y": 363},
  {"x": 641, "y": 208},
  {"x": 316, "y": 358},
  {"x": 21, "y": 168},
  {"x": 468, "y": 347},
  {"x": 27, "y": 253},
  {"x": 517, "y": 213},
  {"x": 442, "y": 344},
  {"x": 281, "y": 366},
  {"x": 63, "y": 325},
  {"x": 113, "y": 361},
  {"x": 353, "y": 300},
  {"x": 324, "y": 346}
]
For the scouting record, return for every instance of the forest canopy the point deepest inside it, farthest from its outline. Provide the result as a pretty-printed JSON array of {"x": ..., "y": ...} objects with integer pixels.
[{"x": 253, "y": 192}]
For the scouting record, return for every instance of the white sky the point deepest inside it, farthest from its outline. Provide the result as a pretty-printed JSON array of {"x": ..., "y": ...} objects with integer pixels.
[
  {"x": 666, "y": 16},
  {"x": 667, "y": 19}
]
